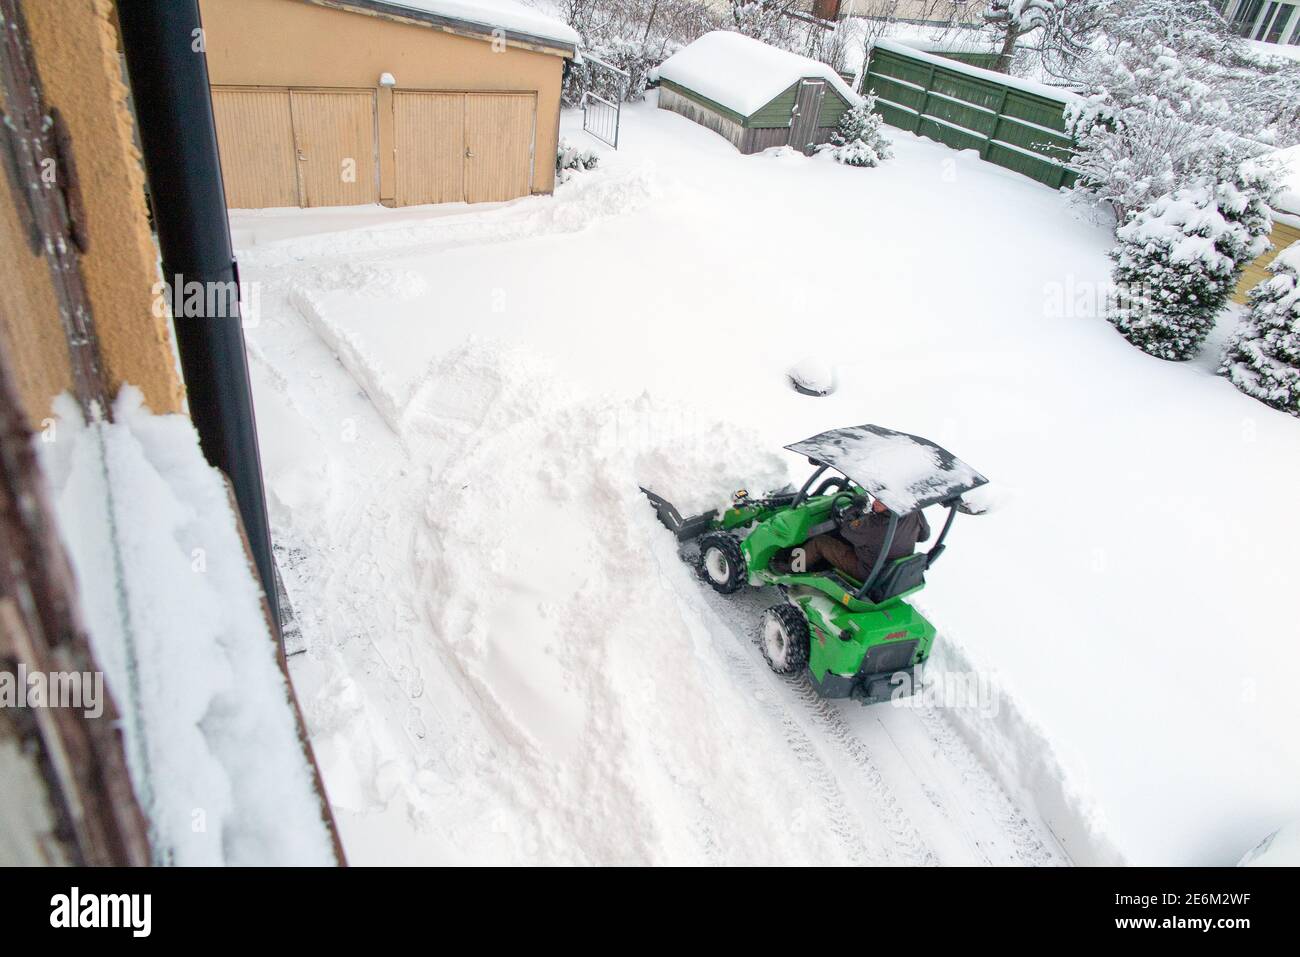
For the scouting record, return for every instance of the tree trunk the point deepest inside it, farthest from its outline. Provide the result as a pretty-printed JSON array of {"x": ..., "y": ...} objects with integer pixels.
[{"x": 1008, "y": 51}]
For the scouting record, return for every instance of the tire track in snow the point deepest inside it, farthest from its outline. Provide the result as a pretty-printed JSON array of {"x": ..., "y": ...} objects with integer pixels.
[
  {"x": 1030, "y": 848},
  {"x": 978, "y": 794},
  {"x": 906, "y": 845}
]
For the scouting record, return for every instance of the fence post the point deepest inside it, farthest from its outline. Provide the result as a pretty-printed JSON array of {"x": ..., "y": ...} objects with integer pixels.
[
  {"x": 997, "y": 122},
  {"x": 925, "y": 100}
]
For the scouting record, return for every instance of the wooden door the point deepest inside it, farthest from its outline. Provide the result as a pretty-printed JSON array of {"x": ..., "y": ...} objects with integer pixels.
[
  {"x": 429, "y": 135},
  {"x": 255, "y": 137},
  {"x": 336, "y": 152},
  {"x": 803, "y": 118},
  {"x": 499, "y": 145}
]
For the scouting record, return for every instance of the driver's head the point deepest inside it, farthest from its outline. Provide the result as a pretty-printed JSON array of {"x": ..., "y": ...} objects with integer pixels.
[{"x": 878, "y": 507}]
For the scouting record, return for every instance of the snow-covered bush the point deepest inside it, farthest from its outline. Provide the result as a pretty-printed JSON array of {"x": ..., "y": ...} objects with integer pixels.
[
  {"x": 1263, "y": 358},
  {"x": 764, "y": 20},
  {"x": 570, "y": 159},
  {"x": 1245, "y": 200},
  {"x": 859, "y": 140},
  {"x": 1175, "y": 267},
  {"x": 637, "y": 59},
  {"x": 1151, "y": 126}
]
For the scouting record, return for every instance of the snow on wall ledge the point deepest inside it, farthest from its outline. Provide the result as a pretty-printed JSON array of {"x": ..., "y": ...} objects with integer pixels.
[{"x": 175, "y": 618}]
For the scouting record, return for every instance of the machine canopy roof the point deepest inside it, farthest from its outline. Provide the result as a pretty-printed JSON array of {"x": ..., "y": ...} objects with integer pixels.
[{"x": 906, "y": 472}]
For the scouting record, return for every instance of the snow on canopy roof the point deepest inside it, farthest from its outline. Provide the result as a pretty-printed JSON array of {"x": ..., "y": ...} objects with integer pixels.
[
  {"x": 906, "y": 472},
  {"x": 742, "y": 73},
  {"x": 509, "y": 15}
]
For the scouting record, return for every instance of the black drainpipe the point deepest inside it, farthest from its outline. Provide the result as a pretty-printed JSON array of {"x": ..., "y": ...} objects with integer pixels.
[{"x": 163, "y": 43}]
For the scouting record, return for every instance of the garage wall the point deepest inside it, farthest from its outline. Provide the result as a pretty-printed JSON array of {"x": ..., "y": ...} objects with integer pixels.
[{"x": 290, "y": 43}]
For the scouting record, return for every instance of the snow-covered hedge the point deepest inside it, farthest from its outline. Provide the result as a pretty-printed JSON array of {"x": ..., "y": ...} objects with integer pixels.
[
  {"x": 1179, "y": 259},
  {"x": 1263, "y": 358},
  {"x": 1175, "y": 267}
]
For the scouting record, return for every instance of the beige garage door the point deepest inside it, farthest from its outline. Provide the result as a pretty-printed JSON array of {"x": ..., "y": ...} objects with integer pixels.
[
  {"x": 296, "y": 147},
  {"x": 430, "y": 138},
  {"x": 335, "y": 134},
  {"x": 474, "y": 147},
  {"x": 255, "y": 135},
  {"x": 498, "y": 146}
]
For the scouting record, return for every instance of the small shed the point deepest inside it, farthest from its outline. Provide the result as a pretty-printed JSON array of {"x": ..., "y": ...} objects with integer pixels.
[{"x": 754, "y": 94}]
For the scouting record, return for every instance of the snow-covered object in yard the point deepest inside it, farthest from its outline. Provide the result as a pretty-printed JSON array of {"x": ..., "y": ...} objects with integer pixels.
[
  {"x": 1279, "y": 849},
  {"x": 507, "y": 15},
  {"x": 175, "y": 617},
  {"x": 906, "y": 472},
  {"x": 742, "y": 73},
  {"x": 812, "y": 375},
  {"x": 1263, "y": 358}
]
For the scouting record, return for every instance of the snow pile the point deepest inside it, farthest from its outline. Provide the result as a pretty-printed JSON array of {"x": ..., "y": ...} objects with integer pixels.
[
  {"x": 280, "y": 237},
  {"x": 742, "y": 73},
  {"x": 504, "y": 14},
  {"x": 582, "y": 710},
  {"x": 370, "y": 314},
  {"x": 175, "y": 618},
  {"x": 696, "y": 465}
]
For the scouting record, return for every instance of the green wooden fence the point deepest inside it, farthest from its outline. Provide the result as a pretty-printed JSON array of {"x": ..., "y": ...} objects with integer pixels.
[{"x": 966, "y": 108}]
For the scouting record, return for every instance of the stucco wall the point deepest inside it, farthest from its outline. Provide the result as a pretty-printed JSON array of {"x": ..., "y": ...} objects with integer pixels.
[
  {"x": 285, "y": 43},
  {"x": 75, "y": 47}
]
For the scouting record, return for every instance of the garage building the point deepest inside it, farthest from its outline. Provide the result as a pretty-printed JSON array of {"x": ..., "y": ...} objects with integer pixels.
[
  {"x": 347, "y": 102},
  {"x": 754, "y": 94}
]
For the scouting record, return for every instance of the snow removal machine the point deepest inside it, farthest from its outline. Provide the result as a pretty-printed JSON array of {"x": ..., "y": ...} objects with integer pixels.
[{"x": 856, "y": 637}]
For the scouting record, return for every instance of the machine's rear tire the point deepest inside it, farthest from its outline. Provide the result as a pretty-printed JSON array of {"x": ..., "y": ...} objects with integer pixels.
[
  {"x": 783, "y": 637},
  {"x": 722, "y": 563}
]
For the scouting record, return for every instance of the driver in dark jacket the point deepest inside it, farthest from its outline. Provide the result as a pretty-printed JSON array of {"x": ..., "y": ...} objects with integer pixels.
[{"x": 863, "y": 535}]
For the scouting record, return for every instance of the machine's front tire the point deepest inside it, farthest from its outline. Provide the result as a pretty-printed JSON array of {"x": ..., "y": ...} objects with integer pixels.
[
  {"x": 783, "y": 637},
  {"x": 722, "y": 563}
]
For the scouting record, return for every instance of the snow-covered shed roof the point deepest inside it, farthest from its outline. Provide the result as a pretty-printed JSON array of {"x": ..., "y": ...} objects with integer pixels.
[
  {"x": 519, "y": 22},
  {"x": 744, "y": 74}
]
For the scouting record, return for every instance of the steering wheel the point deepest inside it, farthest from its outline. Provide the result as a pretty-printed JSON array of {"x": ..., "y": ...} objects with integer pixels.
[{"x": 843, "y": 503}]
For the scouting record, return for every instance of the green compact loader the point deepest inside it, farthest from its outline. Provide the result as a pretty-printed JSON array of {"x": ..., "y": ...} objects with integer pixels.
[{"x": 857, "y": 639}]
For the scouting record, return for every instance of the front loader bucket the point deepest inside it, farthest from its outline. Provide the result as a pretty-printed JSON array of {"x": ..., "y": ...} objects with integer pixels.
[{"x": 683, "y": 528}]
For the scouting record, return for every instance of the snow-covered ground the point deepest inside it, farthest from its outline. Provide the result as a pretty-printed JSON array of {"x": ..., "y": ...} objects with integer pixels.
[{"x": 506, "y": 659}]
